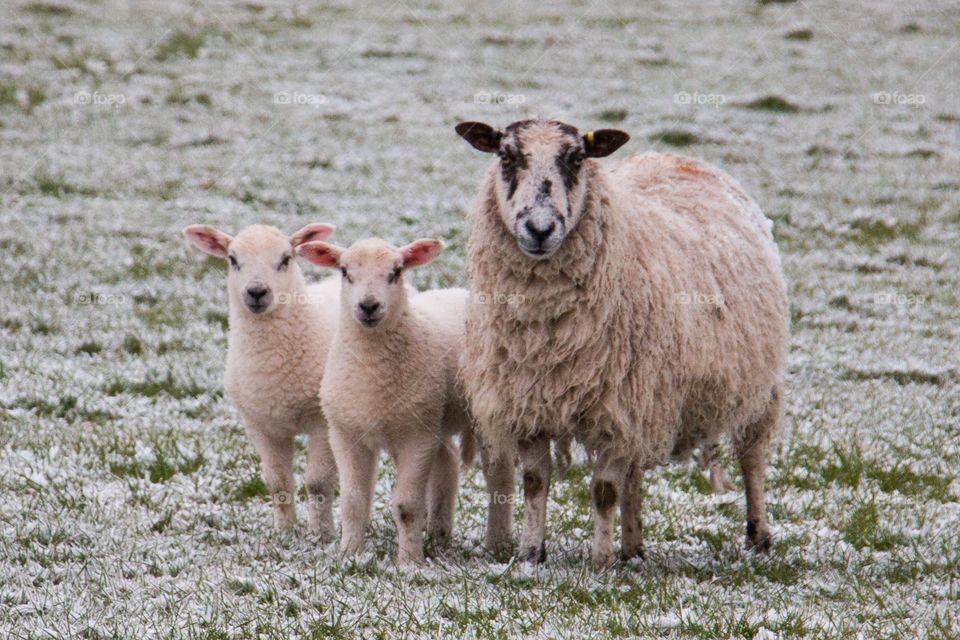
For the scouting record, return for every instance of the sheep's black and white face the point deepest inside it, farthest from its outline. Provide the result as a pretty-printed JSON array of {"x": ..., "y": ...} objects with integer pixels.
[
  {"x": 540, "y": 181},
  {"x": 263, "y": 272}
]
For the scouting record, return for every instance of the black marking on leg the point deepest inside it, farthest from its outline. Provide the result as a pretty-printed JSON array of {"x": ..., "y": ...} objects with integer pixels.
[
  {"x": 406, "y": 515},
  {"x": 751, "y": 529},
  {"x": 604, "y": 495},
  {"x": 532, "y": 483}
]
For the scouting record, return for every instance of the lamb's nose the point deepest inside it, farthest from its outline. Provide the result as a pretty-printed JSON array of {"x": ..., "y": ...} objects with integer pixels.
[
  {"x": 369, "y": 307},
  {"x": 257, "y": 291},
  {"x": 540, "y": 233}
]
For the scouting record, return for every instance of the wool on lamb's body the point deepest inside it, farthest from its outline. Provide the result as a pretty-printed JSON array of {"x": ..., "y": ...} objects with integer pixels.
[
  {"x": 279, "y": 336},
  {"x": 659, "y": 324}
]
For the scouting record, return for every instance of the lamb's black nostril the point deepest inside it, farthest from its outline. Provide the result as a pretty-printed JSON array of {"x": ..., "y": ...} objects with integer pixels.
[
  {"x": 369, "y": 307},
  {"x": 257, "y": 291},
  {"x": 540, "y": 233}
]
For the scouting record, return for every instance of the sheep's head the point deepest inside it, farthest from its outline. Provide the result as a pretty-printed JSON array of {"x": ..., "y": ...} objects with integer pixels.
[
  {"x": 373, "y": 287},
  {"x": 540, "y": 181},
  {"x": 263, "y": 273}
]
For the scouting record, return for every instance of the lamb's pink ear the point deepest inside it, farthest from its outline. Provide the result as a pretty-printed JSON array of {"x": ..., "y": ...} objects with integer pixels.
[
  {"x": 321, "y": 253},
  {"x": 420, "y": 252},
  {"x": 312, "y": 232},
  {"x": 208, "y": 239}
]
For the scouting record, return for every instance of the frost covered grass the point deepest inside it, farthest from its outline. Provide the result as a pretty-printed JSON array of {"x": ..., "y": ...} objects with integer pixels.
[{"x": 131, "y": 499}]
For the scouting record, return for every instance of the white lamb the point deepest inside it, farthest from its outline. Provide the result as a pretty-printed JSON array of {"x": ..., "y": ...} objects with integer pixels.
[
  {"x": 654, "y": 319},
  {"x": 280, "y": 332},
  {"x": 391, "y": 383}
]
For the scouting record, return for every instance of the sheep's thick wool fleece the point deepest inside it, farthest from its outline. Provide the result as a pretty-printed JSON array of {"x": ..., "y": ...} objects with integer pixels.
[{"x": 662, "y": 320}]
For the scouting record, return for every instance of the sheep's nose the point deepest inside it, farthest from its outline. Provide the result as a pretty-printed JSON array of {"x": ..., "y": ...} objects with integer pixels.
[
  {"x": 369, "y": 307},
  {"x": 257, "y": 291},
  {"x": 539, "y": 233}
]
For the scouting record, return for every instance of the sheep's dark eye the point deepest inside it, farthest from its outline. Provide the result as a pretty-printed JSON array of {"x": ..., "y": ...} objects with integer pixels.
[
  {"x": 284, "y": 263},
  {"x": 394, "y": 277},
  {"x": 346, "y": 276},
  {"x": 234, "y": 263}
]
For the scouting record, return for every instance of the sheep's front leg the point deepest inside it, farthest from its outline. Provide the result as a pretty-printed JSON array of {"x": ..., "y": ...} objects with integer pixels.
[
  {"x": 321, "y": 481},
  {"x": 631, "y": 514},
  {"x": 357, "y": 465},
  {"x": 442, "y": 493},
  {"x": 276, "y": 462},
  {"x": 535, "y": 462},
  {"x": 414, "y": 458},
  {"x": 608, "y": 482},
  {"x": 499, "y": 477}
]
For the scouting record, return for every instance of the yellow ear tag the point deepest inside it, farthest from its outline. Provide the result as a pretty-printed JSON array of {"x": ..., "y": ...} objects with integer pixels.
[{"x": 589, "y": 138}]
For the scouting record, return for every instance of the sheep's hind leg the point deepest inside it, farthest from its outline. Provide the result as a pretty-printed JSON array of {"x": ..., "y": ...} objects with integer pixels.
[
  {"x": 606, "y": 490},
  {"x": 499, "y": 476},
  {"x": 751, "y": 444},
  {"x": 442, "y": 494},
  {"x": 631, "y": 514},
  {"x": 321, "y": 481},
  {"x": 276, "y": 462},
  {"x": 535, "y": 462}
]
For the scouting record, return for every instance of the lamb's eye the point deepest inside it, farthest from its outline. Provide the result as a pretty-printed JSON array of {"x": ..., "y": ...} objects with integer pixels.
[
  {"x": 394, "y": 277},
  {"x": 284, "y": 263},
  {"x": 234, "y": 263},
  {"x": 346, "y": 276}
]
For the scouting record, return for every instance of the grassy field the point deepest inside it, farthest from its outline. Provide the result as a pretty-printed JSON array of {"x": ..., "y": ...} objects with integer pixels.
[{"x": 130, "y": 499}]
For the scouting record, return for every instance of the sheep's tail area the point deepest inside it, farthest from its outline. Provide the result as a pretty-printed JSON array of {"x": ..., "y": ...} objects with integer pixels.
[{"x": 468, "y": 449}]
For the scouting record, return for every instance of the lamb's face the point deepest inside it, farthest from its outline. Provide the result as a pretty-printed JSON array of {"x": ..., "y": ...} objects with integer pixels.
[
  {"x": 263, "y": 272},
  {"x": 372, "y": 291},
  {"x": 540, "y": 185}
]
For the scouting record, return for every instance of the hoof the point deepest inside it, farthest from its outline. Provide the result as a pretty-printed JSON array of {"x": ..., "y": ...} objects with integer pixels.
[
  {"x": 603, "y": 561},
  {"x": 534, "y": 555},
  {"x": 759, "y": 539},
  {"x": 629, "y": 554}
]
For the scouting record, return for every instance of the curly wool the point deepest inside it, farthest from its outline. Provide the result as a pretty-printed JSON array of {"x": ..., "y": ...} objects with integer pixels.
[{"x": 661, "y": 322}]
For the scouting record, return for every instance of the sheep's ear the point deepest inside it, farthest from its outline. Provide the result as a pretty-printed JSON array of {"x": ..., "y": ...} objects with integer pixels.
[
  {"x": 208, "y": 239},
  {"x": 603, "y": 142},
  {"x": 321, "y": 253},
  {"x": 481, "y": 136},
  {"x": 420, "y": 252},
  {"x": 312, "y": 232}
]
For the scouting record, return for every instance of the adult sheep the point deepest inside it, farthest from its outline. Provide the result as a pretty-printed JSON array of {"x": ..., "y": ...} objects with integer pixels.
[{"x": 649, "y": 317}]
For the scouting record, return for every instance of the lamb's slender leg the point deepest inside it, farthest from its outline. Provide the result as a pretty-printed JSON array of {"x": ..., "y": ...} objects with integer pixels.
[
  {"x": 442, "y": 493},
  {"x": 631, "y": 514},
  {"x": 707, "y": 459},
  {"x": 608, "y": 482},
  {"x": 321, "y": 481},
  {"x": 414, "y": 457},
  {"x": 276, "y": 463},
  {"x": 499, "y": 477},
  {"x": 751, "y": 445},
  {"x": 357, "y": 465},
  {"x": 535, "y": 462}
]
